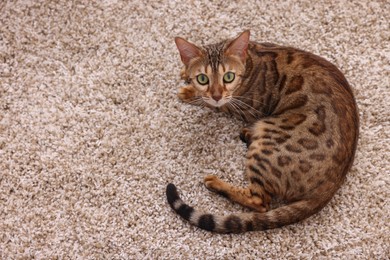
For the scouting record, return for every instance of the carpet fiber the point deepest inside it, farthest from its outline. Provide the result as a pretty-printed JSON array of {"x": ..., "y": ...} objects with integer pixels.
[{"x": 91, "y": 130}]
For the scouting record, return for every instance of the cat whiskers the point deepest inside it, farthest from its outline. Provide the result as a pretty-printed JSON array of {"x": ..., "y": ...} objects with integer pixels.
[
  {"x": 197, "y": 101},
  {"x": 241, "y": 105},
  {"x": 250, "y": 99},
  {"x": 258, "y": 102},
  {"x": 236, "y": 108}
]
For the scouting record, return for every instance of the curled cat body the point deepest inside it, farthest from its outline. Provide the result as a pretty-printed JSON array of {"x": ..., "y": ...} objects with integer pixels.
[{"x": 301, "y": 133}]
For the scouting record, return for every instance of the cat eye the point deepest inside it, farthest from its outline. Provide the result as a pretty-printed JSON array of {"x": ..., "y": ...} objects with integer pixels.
[
  {"x": 202, "y": 79},
  {"x": 228, "y": 77}
]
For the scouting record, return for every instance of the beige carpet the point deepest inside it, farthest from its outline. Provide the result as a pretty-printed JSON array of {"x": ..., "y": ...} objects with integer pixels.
[{"x": 91, "y": 131}]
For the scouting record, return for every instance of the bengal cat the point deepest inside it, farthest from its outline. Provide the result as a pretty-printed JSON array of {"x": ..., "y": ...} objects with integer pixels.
[{"x": 301, "y": 136}]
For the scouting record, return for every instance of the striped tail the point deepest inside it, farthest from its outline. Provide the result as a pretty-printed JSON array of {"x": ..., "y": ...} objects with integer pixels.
[{"x": 242, "y": 222}]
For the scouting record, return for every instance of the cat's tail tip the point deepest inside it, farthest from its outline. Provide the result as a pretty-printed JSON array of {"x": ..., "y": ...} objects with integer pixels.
[
  {"x": 206, "y": 221},
  {"x": 184, "y": 210},
  {"x": 172, "y": 194}
]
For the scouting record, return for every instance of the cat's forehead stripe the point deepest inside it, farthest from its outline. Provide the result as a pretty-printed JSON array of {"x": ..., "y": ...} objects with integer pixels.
[{"x": 214, "y": 55}]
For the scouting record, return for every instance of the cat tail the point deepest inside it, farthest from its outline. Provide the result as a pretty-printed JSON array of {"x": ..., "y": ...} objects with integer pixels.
[{"x": 242, "y": 222}]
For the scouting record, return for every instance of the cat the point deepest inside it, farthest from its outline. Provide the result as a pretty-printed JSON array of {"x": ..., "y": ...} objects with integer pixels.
[{"x": 302, "y": 129}]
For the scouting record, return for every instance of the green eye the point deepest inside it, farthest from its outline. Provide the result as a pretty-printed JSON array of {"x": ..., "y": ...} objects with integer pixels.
[
  {"x": 228, "y": 77},
  {"x": 202, "y": 79}
]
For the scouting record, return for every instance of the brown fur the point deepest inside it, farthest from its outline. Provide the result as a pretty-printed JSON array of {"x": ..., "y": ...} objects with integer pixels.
[{"x": 302, "y": 129}]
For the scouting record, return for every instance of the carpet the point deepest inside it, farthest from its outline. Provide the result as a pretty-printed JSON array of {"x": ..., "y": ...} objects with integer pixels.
[{"x": 91, "y": 131}]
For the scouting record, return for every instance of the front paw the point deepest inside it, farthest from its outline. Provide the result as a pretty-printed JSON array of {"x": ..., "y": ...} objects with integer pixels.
[
  {"x": 186, "y": 93},
  {"x": 246, "y": 136},
  {"x": 212, "y": 183}
]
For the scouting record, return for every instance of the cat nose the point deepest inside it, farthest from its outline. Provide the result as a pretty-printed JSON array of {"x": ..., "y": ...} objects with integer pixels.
[{"x": 217, "y": 97}]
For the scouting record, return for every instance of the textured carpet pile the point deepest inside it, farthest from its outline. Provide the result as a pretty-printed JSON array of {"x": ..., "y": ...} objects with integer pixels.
[{"x": 91, "y": 130}]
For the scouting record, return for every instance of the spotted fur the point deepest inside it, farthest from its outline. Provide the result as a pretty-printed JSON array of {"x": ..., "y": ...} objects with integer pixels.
[{"x": 302, "y": 129}]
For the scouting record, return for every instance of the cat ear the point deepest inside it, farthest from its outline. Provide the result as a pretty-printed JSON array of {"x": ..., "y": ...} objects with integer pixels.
[
  {"x": 187, "y": 50},
  {"x": 239, "y": 46}
]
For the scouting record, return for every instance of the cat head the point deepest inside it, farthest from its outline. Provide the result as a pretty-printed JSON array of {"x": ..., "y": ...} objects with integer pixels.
[{"x": 216, "y": 70}]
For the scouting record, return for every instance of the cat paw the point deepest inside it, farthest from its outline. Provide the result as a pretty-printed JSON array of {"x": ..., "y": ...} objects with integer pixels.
[
  {"x": 257, "y": 204},
  {"x": 186, "y": 93},
  {"x": 212, "y": 182},
  {"x": 246, "y": 136}
]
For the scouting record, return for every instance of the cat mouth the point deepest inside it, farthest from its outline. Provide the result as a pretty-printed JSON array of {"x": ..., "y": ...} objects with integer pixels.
[{"x": 215, "y": 103}]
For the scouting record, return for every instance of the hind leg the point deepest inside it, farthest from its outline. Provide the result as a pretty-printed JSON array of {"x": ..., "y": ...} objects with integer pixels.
[{"x": 242, "y": 196}]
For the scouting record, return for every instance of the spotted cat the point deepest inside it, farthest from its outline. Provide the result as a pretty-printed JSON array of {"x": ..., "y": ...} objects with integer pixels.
[{"x": 301, "y": 136}]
